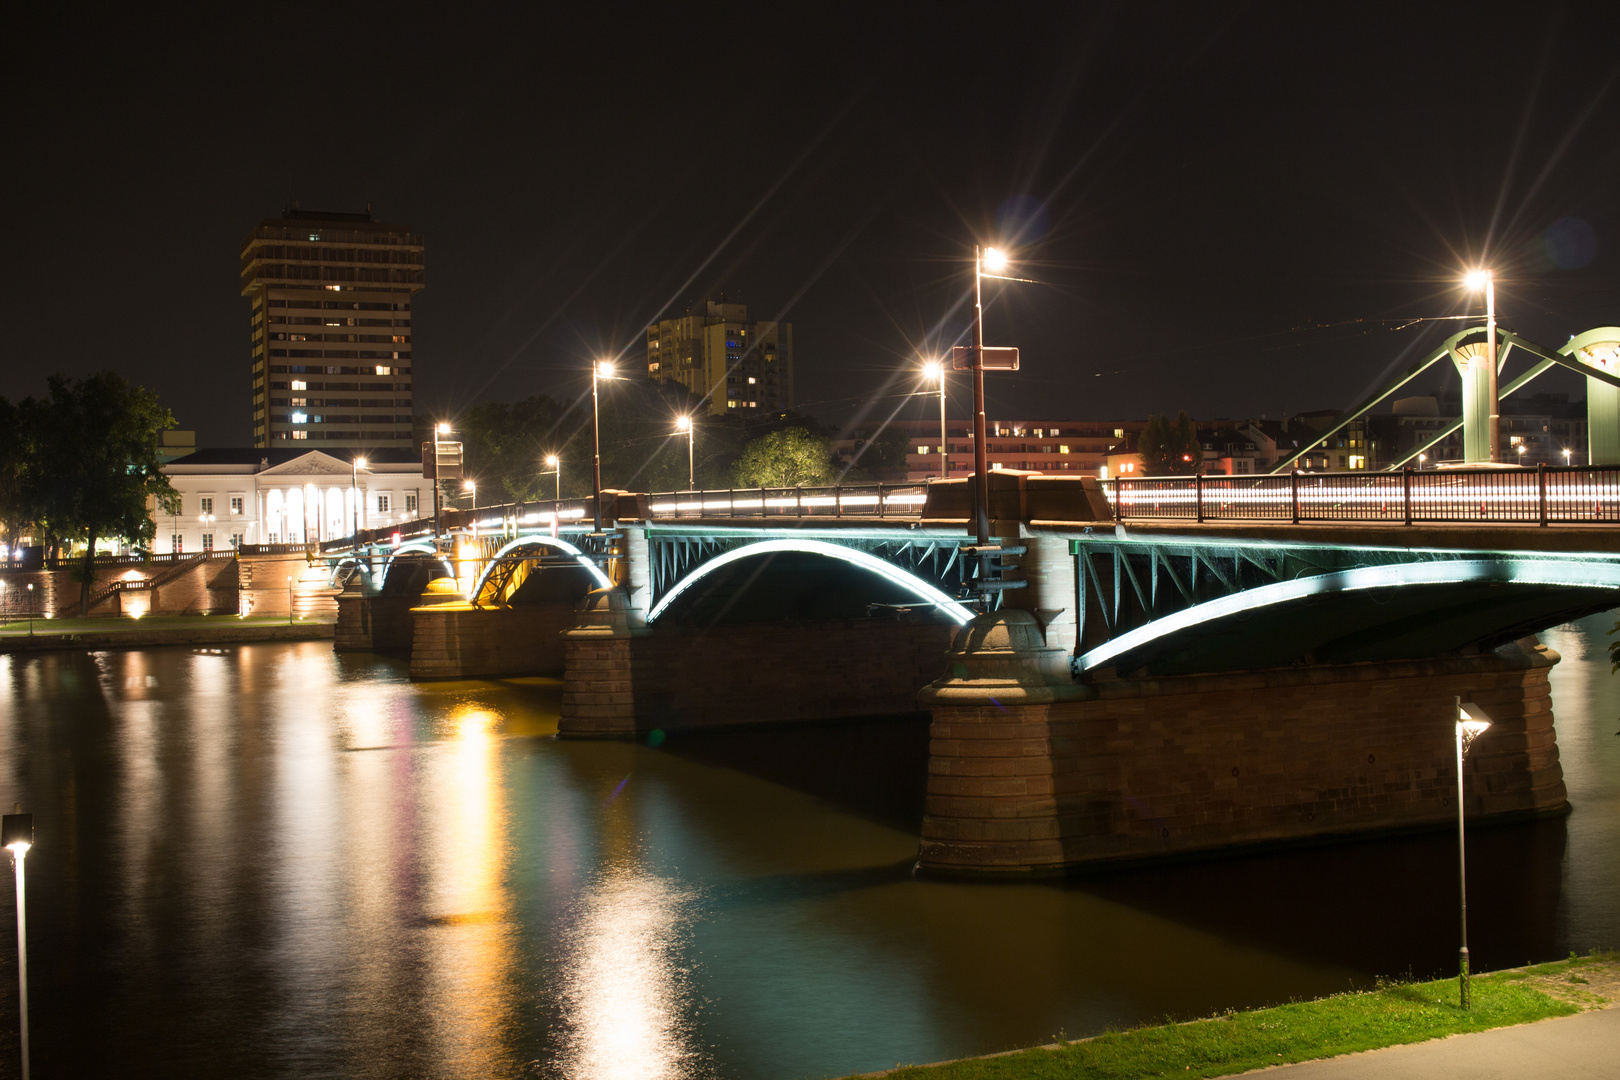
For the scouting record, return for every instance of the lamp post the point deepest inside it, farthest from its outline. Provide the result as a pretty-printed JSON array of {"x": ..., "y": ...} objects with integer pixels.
[
  {"x": 1482, "y": 279},
  {"x": 30, "y": 609},
  {"x": 1566, "y": 455},
  {"x": 935, "y": 369},
  {"x": 685, "y": 424},
  {"x": 556, "y": 507},
  {"x": 471, "y": 486},
  {"x": 1471, "y": 724},
  {"x": 355, "y": 465},
  {"x": 206, "y": 521},
  {"x": 602, "y": 369},
  {"x": 439, "y": 430},
  {"x": 17, "y": 834}
]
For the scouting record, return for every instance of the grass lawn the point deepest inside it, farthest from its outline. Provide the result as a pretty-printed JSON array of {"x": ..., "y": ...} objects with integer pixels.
[{"x": 1300, "y": 1031}]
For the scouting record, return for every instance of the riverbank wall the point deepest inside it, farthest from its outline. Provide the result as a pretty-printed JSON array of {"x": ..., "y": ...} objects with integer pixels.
[{"x": 225, "y": 631}]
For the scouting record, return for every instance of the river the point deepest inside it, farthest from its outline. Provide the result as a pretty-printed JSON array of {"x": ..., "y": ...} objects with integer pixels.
[{"x": 271, "y": 861}]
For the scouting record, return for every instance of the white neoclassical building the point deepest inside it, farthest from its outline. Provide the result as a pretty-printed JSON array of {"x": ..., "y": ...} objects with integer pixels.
[{"x": 233, "y": 497}]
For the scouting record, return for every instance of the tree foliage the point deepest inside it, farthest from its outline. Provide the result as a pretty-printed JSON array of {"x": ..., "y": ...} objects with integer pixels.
[
  {"x": 1170, "y": 447},
  {"x": 791, "y": 457},
  {"x": 83, "y": 462}
]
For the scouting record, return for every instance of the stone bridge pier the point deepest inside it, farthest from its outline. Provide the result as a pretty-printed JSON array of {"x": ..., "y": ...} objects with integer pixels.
[{"x": 623, "y": 677}]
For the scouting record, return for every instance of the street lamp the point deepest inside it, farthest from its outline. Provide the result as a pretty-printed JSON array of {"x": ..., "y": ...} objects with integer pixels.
[
  {"x": 1566, "y": 455},
  {"x": 685, "y": 424},
  {"x": 933, "y": 369},
  {"x": 355, "y": 465},
  {"x": 30, "y": 609},
  {"x": 17, "y": 834},
  {"x": 206, "y": 520},
  {"x": 1471, "y": 724},
  {"x": 1476, "y": 280},
  {"x": 602, "y": 369},
  {"x": 472, "y": 487},
  {"x": 440, "y": 430},
  {"x": 555, "y": 470}
]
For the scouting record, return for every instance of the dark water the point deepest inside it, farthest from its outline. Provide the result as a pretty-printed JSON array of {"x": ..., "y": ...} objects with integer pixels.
[{"x": 278, "y": 862}]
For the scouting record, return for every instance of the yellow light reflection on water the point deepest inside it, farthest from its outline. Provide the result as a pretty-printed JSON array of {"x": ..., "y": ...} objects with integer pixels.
[
  {"x": 624, "y": 990},
  {"x": 471, "y": 906}
]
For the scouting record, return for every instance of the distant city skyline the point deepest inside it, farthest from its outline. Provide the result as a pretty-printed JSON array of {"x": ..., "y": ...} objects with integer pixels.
[{"x": 1246, "y": 218}]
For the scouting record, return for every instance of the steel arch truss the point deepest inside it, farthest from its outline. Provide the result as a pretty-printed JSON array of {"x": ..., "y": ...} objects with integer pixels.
[{"x": 674, "y": 556}]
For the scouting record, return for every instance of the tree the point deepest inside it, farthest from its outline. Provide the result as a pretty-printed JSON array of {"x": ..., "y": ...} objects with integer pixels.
[
  {"x": 788, "y": 458},
  {"x": 1170, "y": 448},
  {"x": 94, "y": 461}
]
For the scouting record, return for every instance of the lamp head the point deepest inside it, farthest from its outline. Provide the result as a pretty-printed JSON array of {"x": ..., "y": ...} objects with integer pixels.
[
  {"x": 17, "y": 831},
  {"x": 444, "y": 429},
  {"x": 604, "y": 369},
  {"x": 933, "y": 369},
  {"x": 359, "y": 462},
  {"x": 683, "y": 423},
  {"x": 995, "y": 259},
  {"x": 551, "y": 459},
  {"x": 469, "y": 485},
  {"x": 1477, "y": 279}
]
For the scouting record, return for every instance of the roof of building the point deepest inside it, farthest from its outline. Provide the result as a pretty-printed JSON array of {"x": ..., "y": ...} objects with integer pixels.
[{"x": 254, "y": 456}]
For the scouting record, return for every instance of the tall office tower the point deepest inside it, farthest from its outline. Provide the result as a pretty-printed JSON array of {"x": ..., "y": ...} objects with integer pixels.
[
  {"x": 331, "y": 300},
  {"x": 737, "y": 364}
]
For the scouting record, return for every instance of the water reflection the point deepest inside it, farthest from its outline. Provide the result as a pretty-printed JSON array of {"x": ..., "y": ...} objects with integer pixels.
[
  {"x": 279, "y": 862},
  {"x": 626, "y": 998}
]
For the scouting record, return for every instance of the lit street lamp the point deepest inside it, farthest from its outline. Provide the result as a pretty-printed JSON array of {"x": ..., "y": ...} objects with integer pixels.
[
  {"x": 1471, "y": 724},
  {"x": 472, "y": 487},
  {"x": 602, "y": 369},
  {"x": 439, "y": 431},
  {"x": 933, "y": 369},
  {"x": 355, "y": 465},
  {"x": 685, "y": 424},
  {"x": 995, "y": 261},
  {"x": 1476, "y": 280},
  {"x": 555, "y": 470},
  {"x": 1566, "y": 455},
  {"x": 17, "y": 834},
  {"x": 206, "y": 521}
]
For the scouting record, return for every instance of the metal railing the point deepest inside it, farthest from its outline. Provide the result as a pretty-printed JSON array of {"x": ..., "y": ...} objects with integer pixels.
[
  {"x": 837, "y": 501},
  {"x": 1546, "y": 495}
]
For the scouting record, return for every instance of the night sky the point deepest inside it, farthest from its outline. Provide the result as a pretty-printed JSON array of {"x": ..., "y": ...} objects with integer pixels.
[{"x": 1209, "y": 195}]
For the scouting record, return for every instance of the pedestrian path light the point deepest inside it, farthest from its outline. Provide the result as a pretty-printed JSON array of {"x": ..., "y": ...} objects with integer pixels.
[
  {"x": 1471, "y": 724},
  {"x": 17, "y": 834}
]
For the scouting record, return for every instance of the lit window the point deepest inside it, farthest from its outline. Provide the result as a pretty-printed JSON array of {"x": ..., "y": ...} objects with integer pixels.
[
  {"x": 300, "y": 401},
  {"x": 385, "y": 371},
  {"x": 731, "y": 404},
  {"x": 298, "y": 418},
  {"x": 1063, "y": 449},
  {"x": 298, "y": 384},
  {"x": 752, "y": 380},
  {"x": 335, "y": 288},
  {"x": 1119, "y": 433},
  {"x": 922, "y": 449}
]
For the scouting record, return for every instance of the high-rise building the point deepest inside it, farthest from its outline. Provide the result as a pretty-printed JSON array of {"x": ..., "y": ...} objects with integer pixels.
[
  {"x": 331, "y": 297},
  {"x": 719, "y": 354}
]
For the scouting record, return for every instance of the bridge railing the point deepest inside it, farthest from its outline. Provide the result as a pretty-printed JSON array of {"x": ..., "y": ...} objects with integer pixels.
[
  {"x": 842, "y": 500},
  {"x": 1539, "y": 496}
]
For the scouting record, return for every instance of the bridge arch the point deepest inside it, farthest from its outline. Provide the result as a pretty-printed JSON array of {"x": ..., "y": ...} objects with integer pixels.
[
  {"x": 918, "y": 589},
  {"x": 1394, "y": 611},
  {"x": 508, "y": 569},
  {"x": 415, "y": 548}
]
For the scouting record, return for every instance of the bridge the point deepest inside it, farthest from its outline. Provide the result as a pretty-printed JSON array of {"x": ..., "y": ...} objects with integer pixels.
[
  {"x": 1128, "y": 669},
  {"x": 1166, "y": 665}
]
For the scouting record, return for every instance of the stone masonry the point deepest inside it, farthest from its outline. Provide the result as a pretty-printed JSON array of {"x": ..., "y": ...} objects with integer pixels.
[{"x": 1141, "y": 768}]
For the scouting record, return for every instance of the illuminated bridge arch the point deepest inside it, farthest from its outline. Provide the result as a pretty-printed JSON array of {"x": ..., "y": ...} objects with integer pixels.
[
  {"x": 899, "y": 583},
  {"x": 1398, "y": 610},
  {"x": 416, "y": 548},
  {"x": 515, "y": 563}
]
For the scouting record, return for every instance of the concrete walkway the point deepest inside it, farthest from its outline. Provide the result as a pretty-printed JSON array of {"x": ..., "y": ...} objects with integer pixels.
[{"x": 1581, "y": 1047}]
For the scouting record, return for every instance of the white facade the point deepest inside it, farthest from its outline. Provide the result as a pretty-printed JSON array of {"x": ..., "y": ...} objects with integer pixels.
[{"x": 310, "y": 498}]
